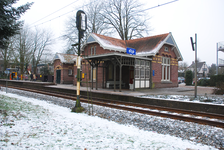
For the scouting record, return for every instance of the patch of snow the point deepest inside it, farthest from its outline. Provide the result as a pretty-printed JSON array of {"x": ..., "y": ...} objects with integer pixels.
[
  {"x": 200, "y": 99},
  {"x": 49, "y": 126},
  {"x": 107, "y": 44}
]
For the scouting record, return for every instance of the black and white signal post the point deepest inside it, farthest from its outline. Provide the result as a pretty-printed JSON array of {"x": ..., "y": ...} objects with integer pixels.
[{"x": 81, "y": 24}]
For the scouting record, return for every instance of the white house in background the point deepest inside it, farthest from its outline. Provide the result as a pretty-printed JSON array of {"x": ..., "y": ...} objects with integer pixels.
[{"x": 202, "y": 68}]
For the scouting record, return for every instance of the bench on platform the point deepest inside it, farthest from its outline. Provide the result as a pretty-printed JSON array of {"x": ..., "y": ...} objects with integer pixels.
[{"x": 110, "y": 84}]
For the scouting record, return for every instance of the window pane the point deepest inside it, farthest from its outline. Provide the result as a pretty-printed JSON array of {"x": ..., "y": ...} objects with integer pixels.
[
  {"x": 147, "y": 73},
  {"x": 168, "y": 72},
  {"x": 142, "y": 72},
  {"x": 110, "y": 72},
  {"x": 94, "y": 50},
  {"x": 137, "y": 72},
  {"x": 69, "y": 72},
  {"x": 164, "y": 74},
  {"x": 147, "y": 63},
  {"x": 137, "y": 62},
  {"x": 94, "y": 73},
  {"x": 142, "y": 63},
  {"x": 90, "y": 74}
]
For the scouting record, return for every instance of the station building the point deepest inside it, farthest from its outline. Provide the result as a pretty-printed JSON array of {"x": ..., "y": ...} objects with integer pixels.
[
  {"x": 64, "y": 68},
  {"x": 149, "y": 62}
]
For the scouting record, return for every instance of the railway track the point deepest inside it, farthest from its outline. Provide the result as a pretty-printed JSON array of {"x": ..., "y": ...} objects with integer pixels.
[{"x": 179, "y": 114}]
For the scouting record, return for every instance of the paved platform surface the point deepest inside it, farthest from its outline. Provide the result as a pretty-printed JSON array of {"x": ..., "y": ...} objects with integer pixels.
[{"x": 181, "y": 90}]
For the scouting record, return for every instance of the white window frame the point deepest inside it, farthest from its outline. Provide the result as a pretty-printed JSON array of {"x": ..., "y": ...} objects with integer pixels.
[
  {"x": 70, "y": 72},
  {"x": 91, "y": 51},
  {"x": 137, "y": 69},
  {"x": 93, "y": 72},
  {"x": 142, "y": 72},
  {"x": 147, "y": 69},
  {"x": 166, "y": 67},
  {"x": 94, "y": 50},
  {"x": 166, "y": 49}
]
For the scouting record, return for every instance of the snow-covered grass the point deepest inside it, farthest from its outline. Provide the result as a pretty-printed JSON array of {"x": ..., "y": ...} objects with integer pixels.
[
  {"x": 34, "y": 124},
  {"x": 200, "y": 99}
]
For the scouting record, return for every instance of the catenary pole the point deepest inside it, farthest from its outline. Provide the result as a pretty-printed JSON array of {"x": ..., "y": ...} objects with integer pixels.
[
  {"x": 195, "y": 91},
  {"x": 217, "y": 57},
  {"x": 194, "y": 48}
]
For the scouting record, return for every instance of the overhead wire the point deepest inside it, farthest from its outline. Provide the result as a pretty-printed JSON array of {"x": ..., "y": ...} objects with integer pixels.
[
  {"x": 54, "y": 12},
  {"x": 57, "y": 16},
  {"x": 51, "y": 19},
  {"x": 86, "y": 5},
  {"x": 159, "y": 5}
]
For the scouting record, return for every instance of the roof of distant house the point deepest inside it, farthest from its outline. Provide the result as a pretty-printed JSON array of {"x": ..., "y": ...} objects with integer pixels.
[{"x": 199, "y": 65}]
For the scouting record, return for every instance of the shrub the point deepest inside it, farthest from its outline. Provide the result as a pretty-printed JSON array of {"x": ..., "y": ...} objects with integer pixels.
[
  {"x": 216, "y": 79},
  {"x": 203, "y": 82},
  {"x": 220, "y": 88},
  {"x": 189, "y": 77}
]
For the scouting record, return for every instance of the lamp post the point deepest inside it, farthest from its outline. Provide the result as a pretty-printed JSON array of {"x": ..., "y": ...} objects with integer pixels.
[
  {"x": 194, "y": 48},
  {"x": 81, "y": 24}
]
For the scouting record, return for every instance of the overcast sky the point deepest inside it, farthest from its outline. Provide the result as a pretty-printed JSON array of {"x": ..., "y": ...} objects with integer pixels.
[{"x": 182, "y": 18}]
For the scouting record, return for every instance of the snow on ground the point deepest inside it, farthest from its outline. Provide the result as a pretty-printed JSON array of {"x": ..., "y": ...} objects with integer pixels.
[
  {"x": 34, "y": 124},
  {"x": 200, "y": 99}
]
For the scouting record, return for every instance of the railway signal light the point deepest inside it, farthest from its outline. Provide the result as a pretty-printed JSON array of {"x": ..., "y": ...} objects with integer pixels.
[{"x": 81, "y": 24}]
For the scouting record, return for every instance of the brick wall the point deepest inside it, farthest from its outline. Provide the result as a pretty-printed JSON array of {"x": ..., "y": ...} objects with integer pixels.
[
  {"x": 57, "y": 66},
  {"x": 86, "y": 69},
  {"x": 157, "y": 67},
  {"x": 65, "y": 78},
  {"x": 99, "y": 49}
]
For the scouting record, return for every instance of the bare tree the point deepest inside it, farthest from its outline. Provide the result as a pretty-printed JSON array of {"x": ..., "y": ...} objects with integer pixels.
[
  {"x": 126, "y": 18},
  {"x": 70, "y": 34},
  {"x": 22, "y": 46},
  {"x": 42, "y": 41},
  {"x": 95, "y": 24},
  {"x": 6, "y": 52},
  {"x": 182, "y": 68},
  {"x": 17, "y": 51},
  {"x": 27, "y": 47},
  {"x": 104, "y": 17}
]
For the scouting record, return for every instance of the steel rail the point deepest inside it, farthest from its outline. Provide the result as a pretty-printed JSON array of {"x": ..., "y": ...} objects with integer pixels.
[{"x": 117, "y": 105}]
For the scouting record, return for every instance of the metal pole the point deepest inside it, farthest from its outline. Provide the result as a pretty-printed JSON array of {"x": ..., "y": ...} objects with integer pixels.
[
  {"x": 217, "y": 63},
  {"x": 195, "y": 92},
  {"x": 77, "y": 107},
  {"x": 7, "y": 83},
  {"x": 78, "y": 74}
]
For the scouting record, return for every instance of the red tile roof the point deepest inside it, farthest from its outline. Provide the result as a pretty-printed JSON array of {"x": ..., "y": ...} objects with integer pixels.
[
  {"x": 110, "y": 42},
  {"x": 113, "y": 41},
  {"x": 146, "y": 44}
]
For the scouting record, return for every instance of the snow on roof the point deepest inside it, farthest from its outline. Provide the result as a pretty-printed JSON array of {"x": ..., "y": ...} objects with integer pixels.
[
  {"x": 109, "y": 42},
  {"x": 147, "y": 46},
  {"x": 65, "y": 58}
]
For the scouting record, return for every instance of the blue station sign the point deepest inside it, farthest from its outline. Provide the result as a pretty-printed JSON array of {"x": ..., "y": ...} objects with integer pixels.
[{"x": 131, "y": 51}]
